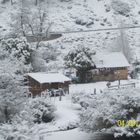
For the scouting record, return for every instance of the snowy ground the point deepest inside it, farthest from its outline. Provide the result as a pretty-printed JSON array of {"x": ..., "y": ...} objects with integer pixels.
[
  {"x": 74, "y": 134},
  {"x": 89, "y": 87},
  {"x": 67, "y": 113}
]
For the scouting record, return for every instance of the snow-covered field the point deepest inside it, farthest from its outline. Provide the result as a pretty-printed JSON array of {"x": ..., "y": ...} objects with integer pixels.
[{"x": 67, "y": 113}]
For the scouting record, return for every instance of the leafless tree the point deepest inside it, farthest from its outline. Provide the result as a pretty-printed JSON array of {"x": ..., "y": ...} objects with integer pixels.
[
  {"x": 33, "y": 24},
  {"x": 38, "y": 25}
]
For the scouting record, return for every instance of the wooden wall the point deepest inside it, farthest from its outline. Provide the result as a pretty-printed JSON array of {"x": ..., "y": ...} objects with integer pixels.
[
  {"x": 36, "y": 88},
  {"x": 107, "y": 74}
]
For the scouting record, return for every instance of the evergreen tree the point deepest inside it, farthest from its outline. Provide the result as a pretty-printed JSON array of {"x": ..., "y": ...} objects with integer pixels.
[{"x": 80, "y": 59}]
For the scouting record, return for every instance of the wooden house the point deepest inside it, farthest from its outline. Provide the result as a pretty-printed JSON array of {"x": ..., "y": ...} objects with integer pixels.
[
  {"x": 39, "y": 82},
  {"x": 108, "y": 67}
]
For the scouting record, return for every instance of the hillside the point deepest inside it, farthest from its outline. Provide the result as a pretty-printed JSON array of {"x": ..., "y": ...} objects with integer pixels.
[{"x": 82, "y": 15}]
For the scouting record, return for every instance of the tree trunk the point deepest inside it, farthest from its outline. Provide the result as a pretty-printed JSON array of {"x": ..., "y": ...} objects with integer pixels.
[
  {"x": 6, "y": 114},
  {"x": 36, "y": 2},
  {"x": 22, "y": 26},
  {"x": 11, "y": 2},
  {"x": 82, "y": 76}
]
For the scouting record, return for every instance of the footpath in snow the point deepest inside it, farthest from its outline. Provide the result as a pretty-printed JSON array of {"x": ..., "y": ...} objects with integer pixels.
[{"x": 67, "y": 113}]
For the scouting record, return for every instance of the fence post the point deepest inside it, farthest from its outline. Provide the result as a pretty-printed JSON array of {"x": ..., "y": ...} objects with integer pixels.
[
  {"x": 134, "y": 85},
  {"x": 94, "y": 90}
]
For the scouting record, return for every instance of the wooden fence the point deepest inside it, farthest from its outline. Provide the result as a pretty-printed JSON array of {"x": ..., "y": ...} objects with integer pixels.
[{"x": 122, "y": 86}]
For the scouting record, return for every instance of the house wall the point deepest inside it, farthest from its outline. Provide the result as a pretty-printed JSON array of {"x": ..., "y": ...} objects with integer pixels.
[
  {"x": 36, "y": 88},
  {"x": 107, "y": 74}
]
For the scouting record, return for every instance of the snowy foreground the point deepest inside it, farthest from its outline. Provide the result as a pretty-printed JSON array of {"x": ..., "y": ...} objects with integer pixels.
[
  {"x": 66, "y": 117},
  {"x": 67, "y": 113}
]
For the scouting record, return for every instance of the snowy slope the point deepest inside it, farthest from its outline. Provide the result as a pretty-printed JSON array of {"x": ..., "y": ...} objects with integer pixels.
[{"x": 65, "y": 16}]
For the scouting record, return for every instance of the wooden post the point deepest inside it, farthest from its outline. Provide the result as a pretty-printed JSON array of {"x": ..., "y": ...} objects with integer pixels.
[
  {"x": 60, "y": 97},
  {"x": 134, "y": 85},
  {"x": 94, "y": 90}
]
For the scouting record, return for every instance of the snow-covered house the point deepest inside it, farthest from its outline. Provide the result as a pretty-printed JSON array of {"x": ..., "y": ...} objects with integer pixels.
[
  {"x": 39, "y": 82},
  {"x": 108, "y": 67}
]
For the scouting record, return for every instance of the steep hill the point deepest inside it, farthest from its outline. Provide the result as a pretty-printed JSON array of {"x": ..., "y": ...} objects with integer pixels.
[{"x": 69, "y": 15}]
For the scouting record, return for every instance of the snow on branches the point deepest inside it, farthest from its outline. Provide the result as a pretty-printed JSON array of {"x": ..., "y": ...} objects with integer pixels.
[
  {"x": 80, "y": 59},
  {"x": 104, "y": 110},
  {"x": 17, "y": 47}
]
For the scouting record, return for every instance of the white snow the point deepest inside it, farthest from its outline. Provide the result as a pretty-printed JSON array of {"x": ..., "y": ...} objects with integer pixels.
[
  {"x": 111, "y": 60},
  {"x": 66, "y": 112},
  {"x": 49, "y": 77},
  {"x": 87, "y": 88},
  {"x": 69, "y": 135}
]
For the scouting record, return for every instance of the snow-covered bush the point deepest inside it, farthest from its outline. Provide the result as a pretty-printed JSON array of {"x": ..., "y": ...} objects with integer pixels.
[
  {"x": 24, "y": 125},
  {"x": 18, "y": 47},
  {"x": 80, "y": 58},
  {"x": 70, "y": 126},
  {"x": 121, "y": 7},
  {"x": 36, "y": 110},
  {"x": 82, "y": 98},
  {"x": 12, "y": 93},
  {"x": 20, "y": 131},
  {"x": 106, "y": 109},
  {"x": 135, "y": 70}
]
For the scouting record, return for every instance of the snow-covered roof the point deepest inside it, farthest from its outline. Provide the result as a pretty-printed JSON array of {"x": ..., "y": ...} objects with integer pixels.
[
  {"x": 49, "y": 77},
  {"x": 110, "y": 60}
]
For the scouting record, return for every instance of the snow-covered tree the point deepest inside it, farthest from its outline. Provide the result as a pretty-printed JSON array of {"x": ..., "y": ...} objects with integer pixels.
[
  {"x": 12, "y": 90},
  {"x": 34, "y": 25},
  {"x": 19, "y": 48},
  {"x": 106, "y": 109},
  {"x": 38, "y": 63},
  {"x": 12, "y": 94},
  {"x": 13, "y": 67},
  {"x": 80, "y": 59},
  {"x": 49, "y": 52}
]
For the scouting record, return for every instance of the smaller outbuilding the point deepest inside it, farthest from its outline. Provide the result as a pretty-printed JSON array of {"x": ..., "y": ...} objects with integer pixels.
[{"x": 39, "y": 82}]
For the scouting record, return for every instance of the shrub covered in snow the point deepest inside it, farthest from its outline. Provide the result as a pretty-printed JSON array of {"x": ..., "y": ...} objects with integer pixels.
[
  {"x": 12, "y": 94},
  {"x": 18, "y": 47},
  {"x": 24, "y": 125},
  {"x": 106, "y": 109},
  {"x": 121, "y": 7},
  {"x": 82, "y": 98},
  {"x": 135, "y": 70},
  {"x": 20, "y": 131},
  {"x": 36, "y": 110}
]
